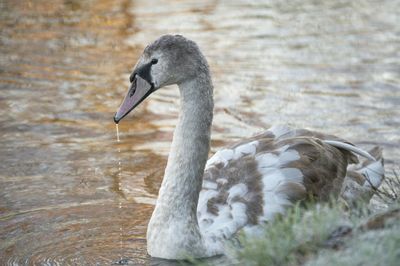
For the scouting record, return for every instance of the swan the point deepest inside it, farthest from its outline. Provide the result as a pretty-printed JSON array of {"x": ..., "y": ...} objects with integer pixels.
[{"x": 204, "y": 203}]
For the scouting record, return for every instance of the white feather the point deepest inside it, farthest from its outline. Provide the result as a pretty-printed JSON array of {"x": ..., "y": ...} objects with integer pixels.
[
  {"x": 222, "y": 156},
  {"x": 209, "y": 185},
  {"x": 245, "y": 149},
  {"x": 266, "y": 160},
  {"x": 374, "y": 172},
  {"x": 279, "y": 130},
  {"x": 349, "y": 147},
  {"x": 288, "y": 156},
  {"x": 238, "y": 190}
]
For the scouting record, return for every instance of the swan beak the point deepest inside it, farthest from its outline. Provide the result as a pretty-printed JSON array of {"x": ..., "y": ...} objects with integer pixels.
[{"x": 138, "y": 91}]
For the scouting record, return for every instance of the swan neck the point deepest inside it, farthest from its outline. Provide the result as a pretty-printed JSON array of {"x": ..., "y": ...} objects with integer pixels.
[
  {"x": 174, "y": 220},
  {"x": 190, "y": 146}
]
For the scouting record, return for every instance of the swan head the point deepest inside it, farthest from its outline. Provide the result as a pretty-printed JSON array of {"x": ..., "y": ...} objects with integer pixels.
[{"x": 171, "y": 59}]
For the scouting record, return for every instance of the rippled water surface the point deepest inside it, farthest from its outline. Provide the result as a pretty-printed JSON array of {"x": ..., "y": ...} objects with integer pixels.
[{"x": 64, "y": 66}]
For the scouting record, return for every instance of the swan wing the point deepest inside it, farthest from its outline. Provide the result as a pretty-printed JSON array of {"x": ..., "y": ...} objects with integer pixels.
[{"x": 251, "y": 182}]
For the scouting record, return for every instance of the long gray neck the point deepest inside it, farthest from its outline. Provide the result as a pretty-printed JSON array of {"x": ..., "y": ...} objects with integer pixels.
[
  {"x": 173, "y": 227},
  {"x": 190, "y": 146}
]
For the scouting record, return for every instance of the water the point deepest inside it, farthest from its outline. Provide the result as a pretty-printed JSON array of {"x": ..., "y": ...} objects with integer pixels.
[{"x": 67, "y": 187}]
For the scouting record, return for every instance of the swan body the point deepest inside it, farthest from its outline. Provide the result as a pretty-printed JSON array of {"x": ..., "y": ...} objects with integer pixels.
[{"x": 202, "y": 204}]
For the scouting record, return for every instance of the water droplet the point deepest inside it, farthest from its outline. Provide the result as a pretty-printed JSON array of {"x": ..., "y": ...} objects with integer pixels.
[
  {"x": 116, "y": 126},
  {"x": 121, "y": 261}
]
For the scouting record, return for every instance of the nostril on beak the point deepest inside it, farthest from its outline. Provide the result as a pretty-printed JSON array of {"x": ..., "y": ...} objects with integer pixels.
[
  {"x": 132, "y": 92},
  {"x": 133, "y": 87}
]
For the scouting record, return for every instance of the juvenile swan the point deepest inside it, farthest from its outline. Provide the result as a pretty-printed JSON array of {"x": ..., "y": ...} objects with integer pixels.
[{"x": 202, "y": 204}]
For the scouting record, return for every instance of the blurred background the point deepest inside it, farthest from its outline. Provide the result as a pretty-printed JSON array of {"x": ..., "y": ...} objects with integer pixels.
[{"x": 331, "y": 66}]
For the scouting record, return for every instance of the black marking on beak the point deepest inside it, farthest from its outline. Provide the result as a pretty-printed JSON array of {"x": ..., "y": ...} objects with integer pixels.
[
  {"x": 132, "y": 77},
  {"x": 133, "y": 88},
  {"x": 143, "y": 72}
]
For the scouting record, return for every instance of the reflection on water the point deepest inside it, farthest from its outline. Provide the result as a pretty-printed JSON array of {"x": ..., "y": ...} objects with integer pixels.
[{"x": 64, "y": 68}]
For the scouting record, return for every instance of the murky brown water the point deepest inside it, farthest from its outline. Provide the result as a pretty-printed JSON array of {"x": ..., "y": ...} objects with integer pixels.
[{"x": 64, "y": 67}]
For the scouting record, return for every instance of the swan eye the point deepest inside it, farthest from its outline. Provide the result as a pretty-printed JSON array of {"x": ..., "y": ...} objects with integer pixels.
[{"x": 154, "y": 61}]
